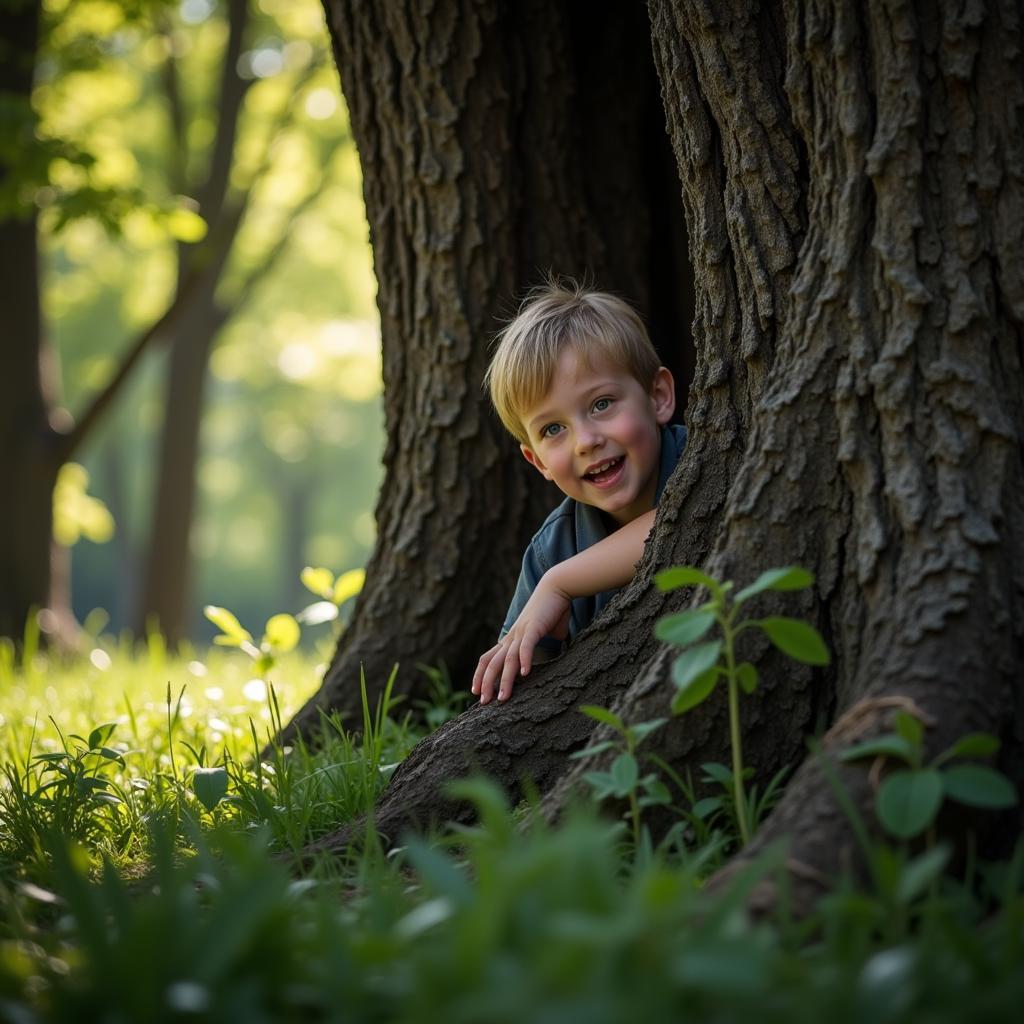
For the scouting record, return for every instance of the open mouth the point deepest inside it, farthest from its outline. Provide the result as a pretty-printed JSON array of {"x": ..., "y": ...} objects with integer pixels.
[{"x": 605, "y": 472}]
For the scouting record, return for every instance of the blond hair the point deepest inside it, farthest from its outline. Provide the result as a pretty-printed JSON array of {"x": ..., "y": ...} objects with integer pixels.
[{"x": 557, "y": 315}]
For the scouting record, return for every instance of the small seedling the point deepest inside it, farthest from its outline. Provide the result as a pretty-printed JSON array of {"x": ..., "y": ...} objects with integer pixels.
[
  {"x": 909, "y": 799},
  {"x": 697, "y": 670},
  {"x": 623, "y": 779}
]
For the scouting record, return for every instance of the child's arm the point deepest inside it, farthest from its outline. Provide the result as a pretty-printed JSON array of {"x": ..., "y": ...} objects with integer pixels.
[{"x": 608, "y": 564}]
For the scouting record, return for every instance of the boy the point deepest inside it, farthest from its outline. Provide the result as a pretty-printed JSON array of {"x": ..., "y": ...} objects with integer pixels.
[{"x": 577, "y": 382}]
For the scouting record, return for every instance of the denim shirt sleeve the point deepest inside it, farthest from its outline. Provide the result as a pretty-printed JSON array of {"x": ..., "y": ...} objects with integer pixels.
[{"x": 534, "y": 566}]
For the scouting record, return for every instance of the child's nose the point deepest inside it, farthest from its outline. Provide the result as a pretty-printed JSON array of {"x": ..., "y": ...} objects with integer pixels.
[{"x": 586, "y": 440}]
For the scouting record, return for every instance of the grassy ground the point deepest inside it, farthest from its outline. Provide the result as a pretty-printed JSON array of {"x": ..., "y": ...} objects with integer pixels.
[{"x": 144, "y": 876}]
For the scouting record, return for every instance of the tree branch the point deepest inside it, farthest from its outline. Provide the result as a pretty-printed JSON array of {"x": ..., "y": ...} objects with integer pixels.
[
  {"x": 172, "y": 90},
  {"x": 84, "y": 424}
]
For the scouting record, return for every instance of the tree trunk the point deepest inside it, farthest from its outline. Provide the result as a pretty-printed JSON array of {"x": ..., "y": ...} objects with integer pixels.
[
  {"x": 853, "y": 191},
  {"x": 497, "y": 141},
  {"x": 27, "y": 438}
]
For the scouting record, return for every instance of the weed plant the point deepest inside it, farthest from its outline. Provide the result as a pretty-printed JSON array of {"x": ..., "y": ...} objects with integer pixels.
[{"x": 176, "y": 901}]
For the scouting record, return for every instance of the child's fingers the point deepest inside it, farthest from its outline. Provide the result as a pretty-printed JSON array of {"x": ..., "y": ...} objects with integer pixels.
[
  {"x": 509, "y": 671},
  {"x": 481, "y": 668},
  {"x": 530, "y": 640}
]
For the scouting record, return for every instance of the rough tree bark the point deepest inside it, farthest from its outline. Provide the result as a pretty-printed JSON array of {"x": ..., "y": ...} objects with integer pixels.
[
  {"x": 852, "y": 176},
  {"x": 497, "y": 141}
]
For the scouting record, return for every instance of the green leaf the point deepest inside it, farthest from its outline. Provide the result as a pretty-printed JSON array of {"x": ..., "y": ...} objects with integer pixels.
[
  {"x": 790, "y": 577},
  {"x": 695, "y": 662},
  {"x": 642, "y": 730},
  {"x": 210, "y": 785},
  {"x": 282, "y": 633},
  {"x": 907, "y": 802},
  {"x": 979, "y": 786},
  {"x": 99, "y": 736},
  {"x": 909, "y": 728},
  {"x": 797, "y": 639},
  {"x": 348, "y": 584},
  {"x": 973, "y": 744},
  {"x": 111, "y": 755},
  {"x": 604, "y": 716},
  {"x": 881, "y": 746},
  {"x": 656, "y": 793},
  {"x": 707, "y": 806},
  {"x": 596, "y": 748},
  {"x": 746, "y": 675},
  {"x": 685, "y": 627},
  {"x": 233, "y": 635},
  {"x": 624, "y": 773},
  {"x": 684, "y": 576},
  {"x": 319, "y": 580},
  {"x": 715, "y": 772},
  {"x": 921, "y": 872},
  {"x": 695, "y": 692},
  {"x": 602, "y": 782}
]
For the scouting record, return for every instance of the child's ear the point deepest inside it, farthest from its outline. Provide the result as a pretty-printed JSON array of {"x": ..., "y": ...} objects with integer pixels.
[
  {"x": 663, "y": 395},
  {"x": 531, "y": 457}
]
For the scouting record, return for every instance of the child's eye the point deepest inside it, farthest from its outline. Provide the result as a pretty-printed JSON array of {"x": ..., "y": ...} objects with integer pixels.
[
  {"x": 550, "y": 430},
  {"x": 602, "y": 404}
]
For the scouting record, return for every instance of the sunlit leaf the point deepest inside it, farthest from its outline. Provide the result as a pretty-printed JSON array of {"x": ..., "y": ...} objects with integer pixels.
[
  {"x": 281, "y": 633},
  {"x": 99, "y": 736},
  {"x": 348, "y": 584},
  {"x": 185, "y": 225},
  {"x": 319, "y": 580},
  {"x": 210, "y": 785},
  {"x": 317, "y": 613},
  {"x": 232, "y": 633}
]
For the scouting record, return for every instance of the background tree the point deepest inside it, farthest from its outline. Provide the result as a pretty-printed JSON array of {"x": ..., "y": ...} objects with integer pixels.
[
  {"x": 852, "y": 184},
  {"x": 118, "y": 120}
]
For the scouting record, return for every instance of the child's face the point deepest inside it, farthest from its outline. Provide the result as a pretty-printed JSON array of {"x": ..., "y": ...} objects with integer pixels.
[{"x": 596, "y": 435}]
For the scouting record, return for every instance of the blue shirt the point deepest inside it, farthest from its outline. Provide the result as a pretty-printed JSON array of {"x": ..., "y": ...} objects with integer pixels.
[{"x": 571, "y": 528}]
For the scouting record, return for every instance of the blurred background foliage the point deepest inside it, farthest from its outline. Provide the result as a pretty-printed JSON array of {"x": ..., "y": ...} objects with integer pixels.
[{"x": 288, "y": 468}]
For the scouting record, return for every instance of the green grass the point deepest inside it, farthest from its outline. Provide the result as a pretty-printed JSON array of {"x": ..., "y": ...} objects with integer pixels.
[{"x": 127, "y": 899}]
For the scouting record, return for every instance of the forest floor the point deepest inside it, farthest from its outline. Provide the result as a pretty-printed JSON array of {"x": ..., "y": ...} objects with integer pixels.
[{"x": 147, "y": 873}]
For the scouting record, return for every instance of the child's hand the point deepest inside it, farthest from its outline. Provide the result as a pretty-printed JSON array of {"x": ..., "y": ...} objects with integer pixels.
[{"x": 545, "y": 614}]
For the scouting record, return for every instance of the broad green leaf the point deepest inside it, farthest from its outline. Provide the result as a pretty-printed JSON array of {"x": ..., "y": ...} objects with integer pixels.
[
  {"x": 909, "y": 728},
  {"x": 210, "y": 785},
  {"x": 884, "y": 746},
  {"x": 716, "y": 772},
  {"x": 656, "y": 793},
  {"x": 979, "y": 786},
  {"x": 684, "y": 628},
  {"x": 348, "y": 584},
  {"x": 602, "y": 782},
  {"x": 695, "y": 662},
  {"x": 603, "y": 715},
  {"x": 624, "y": 772},
  {"x": 707, "y": 806},
  {"x": 319, "y": 580},
  {"x": 111, "y": 755},
  {"x": 232, "y": 633},
  {"x": 790, "y": 577},
  {"x": 281, "y": 633},
  {"x": 318, "y": 612},
  {"x": 974, "y": 744},
  {"x": 921, "y": 872},
  {"x": 746, "y": 675},
  {"x": 907, "y": 802},
  {"x": 797, "y": 639},
  {"x": 99, "y": 736},
  {"x": 684, "y": 576},
  {"x": 696, "y": 691}
]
